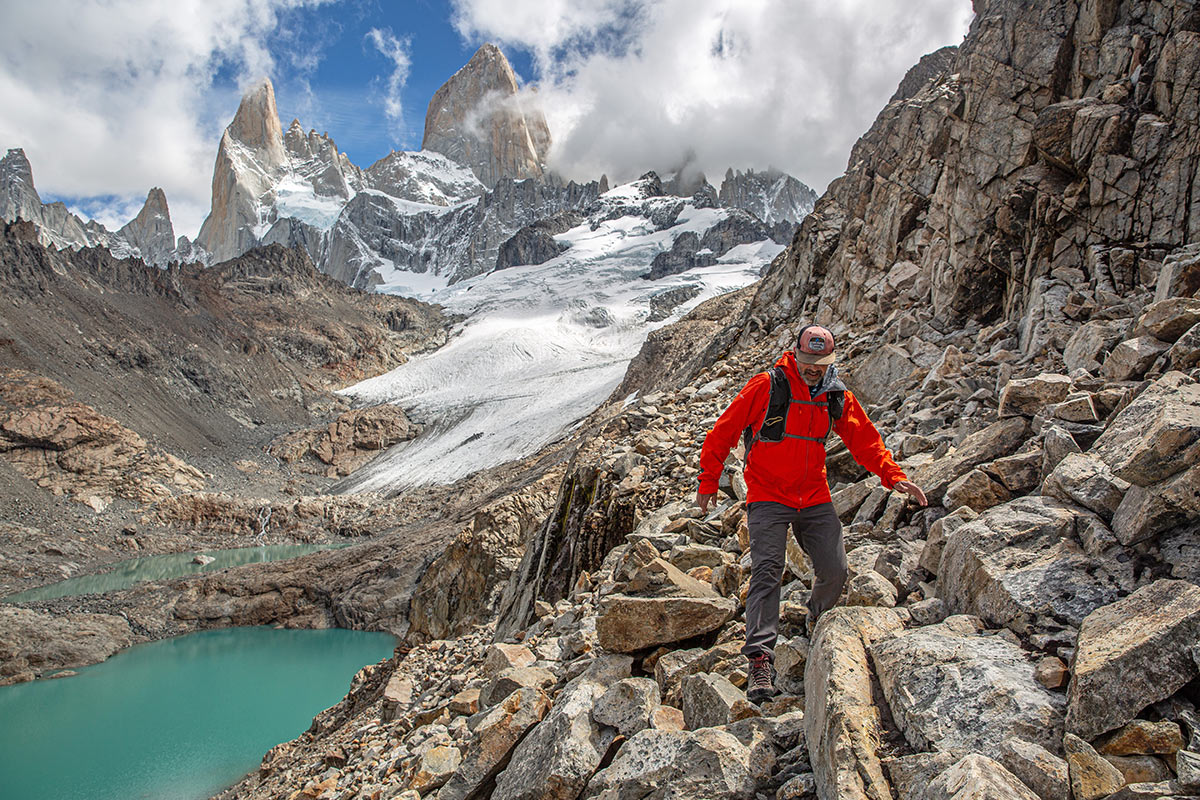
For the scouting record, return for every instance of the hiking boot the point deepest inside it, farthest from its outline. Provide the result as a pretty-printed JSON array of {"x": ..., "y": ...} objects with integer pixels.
[{"x": 761, "y": 684}]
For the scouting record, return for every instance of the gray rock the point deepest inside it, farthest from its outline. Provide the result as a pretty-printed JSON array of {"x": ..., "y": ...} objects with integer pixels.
[
  {"x": 1132, "y": 653},
  {"x": 707, "y": 763},
  {"x": 931, "y": 554},
  {"x": 977, "y": 777},
  {"x": 1155, "y": 436},
  {"x": 1168, "y": 319},
  {"x": 999, "y": 565},
  {"x": 977, "y": 491},
  {"x": 1187, "y": 766},
  {"x": 842, "y": 723},
  {"x": 510, "y": 680},
  {"x": 910, "y": 775},
  {"x": 1143, "y": 514},
  {"x": 1090, "y": 343},
  {"x": 1091, "y": 776},
  {"x": 1086, "y": 480},
  {"x": 869, "y": 588},
  {"x": 964, "y": 692},
  {"x": 996, "y": 440},
  {"x": 711, "y": 700},
  {"x": 1028, "y": 396},
  {"x": 626, "y": 624},
  {"x": 501, "y": 656},
  {"x": 1057, "y": 443},
  {"x": 557, "y": 758},
  {"x": 1131, "y": 358},
  {"x": 875, "y": 376},
  {"x": 1184, "y": 355},
  {"x": 930, "y": 611},
  {"x": 791, "y": 656},
  {"x": 628, "y": 705},
  {"x": 1036, "y": 767}
]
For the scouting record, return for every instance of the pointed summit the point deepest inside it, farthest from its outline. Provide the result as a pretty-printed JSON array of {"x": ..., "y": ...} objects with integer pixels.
[
  {"x": 256, "y": 123},
  {"x": 249, "y": 161},
  {"x": 18, "y": 197},
  {"x": 151, "y": 232},
  {"x": 478, "y": 119}
]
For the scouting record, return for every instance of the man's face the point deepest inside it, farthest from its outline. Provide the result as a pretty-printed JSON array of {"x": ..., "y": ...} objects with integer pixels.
[{"x": 811, "y": 374}]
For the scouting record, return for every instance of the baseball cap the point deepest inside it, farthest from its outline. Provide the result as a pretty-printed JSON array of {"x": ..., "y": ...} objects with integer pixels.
[{"x": 815, "y": 346}]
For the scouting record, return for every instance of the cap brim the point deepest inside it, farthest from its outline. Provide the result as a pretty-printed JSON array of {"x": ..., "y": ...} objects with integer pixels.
[{"x": 808, "y": 358}]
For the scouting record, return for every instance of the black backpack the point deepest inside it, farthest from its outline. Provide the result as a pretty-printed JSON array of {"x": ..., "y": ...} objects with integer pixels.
[{"x": 775, "y": 420}]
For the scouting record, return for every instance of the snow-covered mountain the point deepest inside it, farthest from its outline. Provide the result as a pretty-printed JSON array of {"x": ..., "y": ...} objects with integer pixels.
[
  {"x": 772, "y": 196},
  {"x": 542, "y": 345}
]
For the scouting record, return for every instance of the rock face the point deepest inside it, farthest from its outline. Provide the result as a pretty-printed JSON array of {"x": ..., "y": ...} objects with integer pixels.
[
  {"x": 480, "y": 119},
  {"x": 73, "y": 639},
  {"x": 941, "y": 682},
  {"x": 841, "y": 720},
  {"x": 251, "y": 158},
  {"x": 150, "y": 233},
  {"x": 1141, "y": 644}
]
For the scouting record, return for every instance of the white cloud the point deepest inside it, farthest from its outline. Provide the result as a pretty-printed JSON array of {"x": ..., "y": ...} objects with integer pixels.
[
  {"x": 111, "y": 98},
  {"x": 397, "y": 51},
  {"x": 630, "y": 85}
]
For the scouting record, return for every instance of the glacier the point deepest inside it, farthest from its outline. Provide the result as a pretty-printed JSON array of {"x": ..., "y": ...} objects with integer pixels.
[{"x": 540, "y": 346}]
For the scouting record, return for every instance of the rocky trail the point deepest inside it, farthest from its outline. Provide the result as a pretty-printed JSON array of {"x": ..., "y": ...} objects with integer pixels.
[{"x": 1011, "y": 268}]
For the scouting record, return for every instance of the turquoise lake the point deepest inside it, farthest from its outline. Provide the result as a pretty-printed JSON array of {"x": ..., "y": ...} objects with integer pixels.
[
  {"x": 178, "y": 719},
  {"x": 161, "y": 568}
]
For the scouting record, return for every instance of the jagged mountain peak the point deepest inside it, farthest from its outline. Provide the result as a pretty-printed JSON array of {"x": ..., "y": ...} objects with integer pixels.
[
  {"x": 256, "y": 123},
  {"x": 479, "y": 119},
  {"x": 150, "y": 233}
]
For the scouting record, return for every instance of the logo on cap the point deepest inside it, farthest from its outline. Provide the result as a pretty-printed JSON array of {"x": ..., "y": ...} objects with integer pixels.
[{"x": 815, "y": 346}]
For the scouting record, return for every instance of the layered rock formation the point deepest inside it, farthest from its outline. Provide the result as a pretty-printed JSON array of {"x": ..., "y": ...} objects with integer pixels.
[{"x": 480, "y": 119}]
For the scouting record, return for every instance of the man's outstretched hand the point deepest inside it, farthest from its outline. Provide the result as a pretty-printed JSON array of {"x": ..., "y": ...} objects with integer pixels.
[
  {"x": 910, "y": 488},
  {"x": 705, "y": 500}
]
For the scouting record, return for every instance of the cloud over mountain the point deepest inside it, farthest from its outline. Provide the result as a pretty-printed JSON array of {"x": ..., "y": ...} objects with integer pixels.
[{"x": 632, "y": 85}]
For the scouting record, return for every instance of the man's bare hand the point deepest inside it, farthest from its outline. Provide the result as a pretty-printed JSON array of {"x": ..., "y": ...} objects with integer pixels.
[
  {"x": 705, "y": 500},
  {"x": 910, "y": 488}
]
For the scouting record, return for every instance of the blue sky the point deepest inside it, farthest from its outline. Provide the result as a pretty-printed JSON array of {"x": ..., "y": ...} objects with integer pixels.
[{"x": 111, "y": 97}]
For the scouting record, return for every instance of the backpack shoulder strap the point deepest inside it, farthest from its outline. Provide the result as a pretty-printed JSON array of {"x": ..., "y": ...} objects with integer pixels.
[
  {"x": 837, "y": 404},
  {"x": 775, "y": 419}
]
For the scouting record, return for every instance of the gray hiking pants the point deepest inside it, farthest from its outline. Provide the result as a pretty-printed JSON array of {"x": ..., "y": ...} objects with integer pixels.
[{"x": 819, "y": 532}]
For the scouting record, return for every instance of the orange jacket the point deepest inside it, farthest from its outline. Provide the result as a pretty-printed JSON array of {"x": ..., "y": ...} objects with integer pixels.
[{"x": 792, "y": 471}]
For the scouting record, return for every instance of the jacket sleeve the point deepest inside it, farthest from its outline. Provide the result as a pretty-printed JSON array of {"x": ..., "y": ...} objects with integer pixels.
[
  {"x": 865, "y": 443},
  {"x": 749, "y": 406}
]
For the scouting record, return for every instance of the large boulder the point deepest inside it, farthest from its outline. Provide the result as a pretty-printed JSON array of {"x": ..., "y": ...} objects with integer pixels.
[
  {"x": 627, "y": 624},
  {"x": 1155, "y": 436},
  {"x": 687, "y": 765},
  {"x": 952, "y": 689},
  {"x": 1000, "y": 565},
  {"x": 882, "y": 371},
  {"x": 1131, "y": 358},
  {"x": 1089, "y": 345},
  {"x": 842, "y": 722},
  {"x": 1132, "y": 653},
  {"x": 628, "y": 705},
  {"x": 710, "y": 701},
  {"x": 1088, "y": 481},
  {"x": 1028, "y": 396},
  {"x": 1168, "y": 319}
]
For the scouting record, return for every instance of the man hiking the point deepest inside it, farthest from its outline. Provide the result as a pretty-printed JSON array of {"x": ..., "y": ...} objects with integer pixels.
[{"x": 785, "y": 415}]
